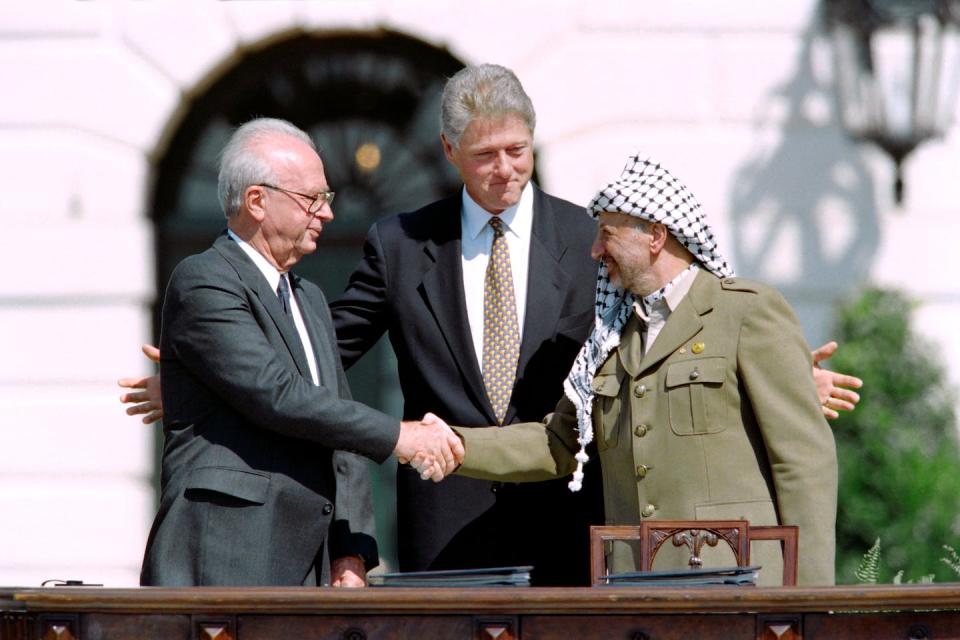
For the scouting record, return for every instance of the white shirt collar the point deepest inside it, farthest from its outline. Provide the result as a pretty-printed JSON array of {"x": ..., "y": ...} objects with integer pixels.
[
  {"x": 268, "y": 270},
  {"x": 517, "y": 219}
]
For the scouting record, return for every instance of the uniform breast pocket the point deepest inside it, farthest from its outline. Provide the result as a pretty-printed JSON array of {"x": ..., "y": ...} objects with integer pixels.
[
  {"x": 695, "y": 396},
  {"x": 606, "y": 410}
]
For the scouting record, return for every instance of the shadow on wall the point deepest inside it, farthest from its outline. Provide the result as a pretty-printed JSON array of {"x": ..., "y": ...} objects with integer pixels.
[{"x": 803, "y": 211}]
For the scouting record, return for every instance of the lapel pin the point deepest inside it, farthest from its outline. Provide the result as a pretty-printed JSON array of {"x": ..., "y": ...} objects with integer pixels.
[{"x": 697, "y": 347}]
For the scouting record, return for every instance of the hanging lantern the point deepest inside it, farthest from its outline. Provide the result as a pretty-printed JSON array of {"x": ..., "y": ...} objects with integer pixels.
[{"x": 898, "y": 67}]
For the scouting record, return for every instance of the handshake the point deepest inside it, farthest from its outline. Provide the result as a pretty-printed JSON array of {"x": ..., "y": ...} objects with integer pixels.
[{"x": 430, "y": 446}]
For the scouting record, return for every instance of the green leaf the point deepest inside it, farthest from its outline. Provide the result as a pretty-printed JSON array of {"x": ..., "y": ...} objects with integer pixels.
[{"x": 869, "y": 568}]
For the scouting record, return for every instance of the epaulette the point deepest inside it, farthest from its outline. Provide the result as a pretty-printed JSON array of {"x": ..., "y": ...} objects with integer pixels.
[{"x": 739, "y": 284}]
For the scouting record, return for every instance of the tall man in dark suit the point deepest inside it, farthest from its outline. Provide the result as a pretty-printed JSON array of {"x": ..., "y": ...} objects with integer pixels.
[
  {"x": 255, "y": 399},
  {"x": 423, "y": 279}
]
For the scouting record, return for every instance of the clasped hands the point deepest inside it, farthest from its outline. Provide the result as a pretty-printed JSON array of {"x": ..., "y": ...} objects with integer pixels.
[{"x": 430, "y": 446}]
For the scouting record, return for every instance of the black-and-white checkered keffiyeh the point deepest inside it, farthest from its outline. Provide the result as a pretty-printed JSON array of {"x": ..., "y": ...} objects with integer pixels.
[{"x": 648, "y": 191}]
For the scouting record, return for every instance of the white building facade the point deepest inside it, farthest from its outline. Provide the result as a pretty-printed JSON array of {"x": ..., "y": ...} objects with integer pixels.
[{"x": 737, "y": 99}]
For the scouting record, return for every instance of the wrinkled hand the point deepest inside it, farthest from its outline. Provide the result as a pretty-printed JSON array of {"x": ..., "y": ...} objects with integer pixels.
[
  {"x": 148, "y": 398},
  {"x": 435, "y": 440},
  {"x": 348, "y": 572},
  {"x": 831, "y": 389}
]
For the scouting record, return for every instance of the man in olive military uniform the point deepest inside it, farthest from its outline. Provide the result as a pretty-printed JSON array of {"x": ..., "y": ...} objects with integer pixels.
[{"x": 696, "y": 386}]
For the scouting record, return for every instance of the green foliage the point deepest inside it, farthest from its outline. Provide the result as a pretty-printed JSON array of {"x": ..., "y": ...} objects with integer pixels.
[
  {"x": 898, "y": 451},
  {"x": 952, "y": 560},
  {"x": 927, "y": 579},
  {"x": 869, "y": 570}
]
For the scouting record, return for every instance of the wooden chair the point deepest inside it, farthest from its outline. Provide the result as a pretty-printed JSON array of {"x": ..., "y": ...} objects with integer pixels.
[{"x": 694, "y": 534}]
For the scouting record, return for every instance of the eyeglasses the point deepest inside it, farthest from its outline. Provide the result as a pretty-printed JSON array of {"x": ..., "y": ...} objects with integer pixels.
[{"x": 316, "y": 201}]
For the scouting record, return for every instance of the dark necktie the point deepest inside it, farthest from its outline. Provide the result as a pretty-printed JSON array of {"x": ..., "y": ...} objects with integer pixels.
[
  {"x": 501, "y": 334},
  {"x": 283, "y": 292}
]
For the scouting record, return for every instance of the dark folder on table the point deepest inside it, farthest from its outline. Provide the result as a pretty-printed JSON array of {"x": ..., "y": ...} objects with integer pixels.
[
  {"x": 737, "y": 576},
  {"x": 487, "y": 577}
]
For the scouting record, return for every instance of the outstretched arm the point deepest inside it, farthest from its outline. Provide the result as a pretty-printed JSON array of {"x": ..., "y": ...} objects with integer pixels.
[{"x": 524, "y": 452}]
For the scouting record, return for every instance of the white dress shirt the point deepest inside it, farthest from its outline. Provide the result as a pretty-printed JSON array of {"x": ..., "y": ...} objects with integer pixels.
[
  {"x": 273, "y": 278},
  {"x": 476, "y": 238}
]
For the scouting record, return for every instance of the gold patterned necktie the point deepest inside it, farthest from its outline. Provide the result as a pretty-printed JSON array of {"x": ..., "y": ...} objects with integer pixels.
[{"x": 501, "y": 334}]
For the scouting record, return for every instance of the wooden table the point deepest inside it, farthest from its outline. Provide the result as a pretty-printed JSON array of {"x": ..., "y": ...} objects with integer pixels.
[{"x": 916, "y": 612}]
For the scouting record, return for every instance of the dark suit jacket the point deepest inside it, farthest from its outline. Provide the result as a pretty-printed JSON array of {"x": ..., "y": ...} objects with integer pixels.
[
  {"x": 252, "y": 490},
  {"x": 410, "y": 284}
]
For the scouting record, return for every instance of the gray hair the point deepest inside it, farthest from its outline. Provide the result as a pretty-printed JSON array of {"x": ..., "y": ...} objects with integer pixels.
[
  {"x": 486, "y": 90},
  {"x": 243, "y": 164}
]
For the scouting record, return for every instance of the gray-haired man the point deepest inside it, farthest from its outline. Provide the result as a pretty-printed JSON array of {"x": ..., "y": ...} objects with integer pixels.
[{"x": 256, "y": 487}]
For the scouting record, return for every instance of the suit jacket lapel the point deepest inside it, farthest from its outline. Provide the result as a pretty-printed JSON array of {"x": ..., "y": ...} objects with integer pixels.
[
  {"x": 250, "y": 275},
  {"x": 684, "y": 322},
  {"x": 547, "y": 283},
  {"x": 442, "y": 291},
  {"x": 310, "y": 309}
]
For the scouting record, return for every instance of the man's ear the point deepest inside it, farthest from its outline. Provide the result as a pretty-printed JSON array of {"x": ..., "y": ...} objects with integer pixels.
[
  {"x": 658, "y": 237},
  {"x": 447, "y": 148},
  {"x": 253, "y": 201}
]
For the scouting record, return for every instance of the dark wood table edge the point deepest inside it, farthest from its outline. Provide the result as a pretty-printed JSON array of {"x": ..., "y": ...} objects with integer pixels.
[{"x": 506, "y": 600}]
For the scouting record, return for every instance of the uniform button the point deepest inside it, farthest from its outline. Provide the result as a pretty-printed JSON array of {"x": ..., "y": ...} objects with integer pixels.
[
  {"x": 694, "y": 374},
  {"x": 640, "y": 430},
  {"x": 640, "y": 390},
  {"x": 648, "y": 511},
  {"x": 494, "y": 487},
  {"x": 327, "y": 509},
  {"x": 642, "y": 470}
]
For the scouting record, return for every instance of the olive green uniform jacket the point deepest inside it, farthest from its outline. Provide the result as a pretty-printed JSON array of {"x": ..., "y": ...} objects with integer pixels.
[{"x": 718, "y": 420}]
